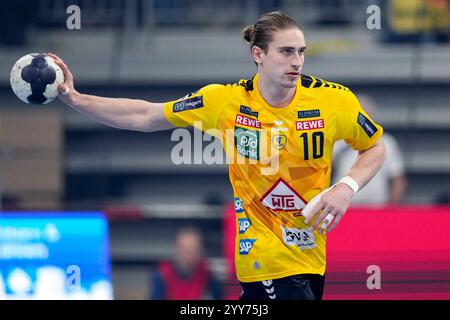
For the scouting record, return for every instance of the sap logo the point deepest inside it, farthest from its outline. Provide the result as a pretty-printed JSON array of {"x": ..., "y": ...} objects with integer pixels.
[
  {"x": 309, "y": 124},
  {"x": 302, "y": 238},
  {"x": 238, "y": 205},
  {"x": 245, "y": 245},
  {"x": 244, "y": 224},
  {"x": 188, "y": 104}
]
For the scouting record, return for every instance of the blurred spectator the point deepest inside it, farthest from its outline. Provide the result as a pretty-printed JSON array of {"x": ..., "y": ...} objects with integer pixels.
[
  {"x": 389, "y": 184},
  {"x": 187, "y": 277}
]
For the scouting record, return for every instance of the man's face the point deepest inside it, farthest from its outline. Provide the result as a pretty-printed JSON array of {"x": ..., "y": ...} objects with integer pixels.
[
  {"x": 189, "y": 251},
  {"x": 283, "y": 62}
]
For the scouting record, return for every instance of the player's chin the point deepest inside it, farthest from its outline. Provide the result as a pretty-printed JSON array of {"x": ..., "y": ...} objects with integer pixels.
[{"x": 290, "y": 83}]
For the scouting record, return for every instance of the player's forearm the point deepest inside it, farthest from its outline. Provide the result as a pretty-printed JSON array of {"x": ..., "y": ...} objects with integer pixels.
[
  {"x": 120, "y": 113},
  {"x": 368, "y": 163}
]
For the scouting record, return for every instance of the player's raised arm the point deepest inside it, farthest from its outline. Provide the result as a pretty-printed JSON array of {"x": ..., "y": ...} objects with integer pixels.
[{"x": 122, "y": 113}]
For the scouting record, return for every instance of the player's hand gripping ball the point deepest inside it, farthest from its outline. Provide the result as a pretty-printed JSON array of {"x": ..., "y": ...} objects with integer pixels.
[{"x": 35, "y": 78}]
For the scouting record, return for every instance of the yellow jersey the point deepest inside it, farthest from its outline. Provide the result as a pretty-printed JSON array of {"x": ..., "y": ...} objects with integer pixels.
[{"x": 280, "y": 158}]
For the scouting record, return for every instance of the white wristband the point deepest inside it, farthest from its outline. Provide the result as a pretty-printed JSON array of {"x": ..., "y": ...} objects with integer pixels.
[{"x": 350, "y": 182}]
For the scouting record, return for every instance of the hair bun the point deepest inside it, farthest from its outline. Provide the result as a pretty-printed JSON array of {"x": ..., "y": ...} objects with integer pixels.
[{"x": 248, "y": 32}]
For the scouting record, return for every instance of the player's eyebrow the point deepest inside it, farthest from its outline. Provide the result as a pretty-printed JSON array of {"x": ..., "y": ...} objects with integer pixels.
[{"x": 291, "y": 48}]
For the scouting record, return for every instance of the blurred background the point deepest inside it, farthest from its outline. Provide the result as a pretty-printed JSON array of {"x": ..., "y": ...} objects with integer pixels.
[{"x": 54, "y": 159}]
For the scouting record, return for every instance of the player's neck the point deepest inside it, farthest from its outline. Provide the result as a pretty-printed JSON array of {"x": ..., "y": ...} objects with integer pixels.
[{"x": 274, "y": 94}]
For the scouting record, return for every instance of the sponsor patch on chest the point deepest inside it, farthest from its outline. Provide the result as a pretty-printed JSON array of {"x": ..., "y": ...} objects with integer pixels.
[
  {"x": 247, "y": 121},
  {"x": 309, "y": 124}
]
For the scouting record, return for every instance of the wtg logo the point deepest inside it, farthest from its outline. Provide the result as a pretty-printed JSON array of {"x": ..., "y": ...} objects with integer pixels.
[
  {"x": 238, "y": 205},
  {"x": 246, "y": 245},
  {"x": 244, "y": 224}
]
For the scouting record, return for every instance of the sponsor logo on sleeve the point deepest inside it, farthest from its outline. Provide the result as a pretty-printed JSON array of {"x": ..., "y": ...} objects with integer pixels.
[
  {"x": 246, "y": 110},
  {"x": 245, "y": 245},
  {"x": 246, "y": 142},
  {"x": 238, "y": 205},
  {"x": 309, "y": 113},
  {"x": 244, "y": 224},
  {"x": 188, "y": 104},
  {"x": 302, "y": 238},
  {"x": 368, "y": 127},
  {"x": 309, "y": 124},
  {"x": 246, "y": 121}
]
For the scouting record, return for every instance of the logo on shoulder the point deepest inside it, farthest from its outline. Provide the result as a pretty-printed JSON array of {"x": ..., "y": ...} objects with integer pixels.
[
  {"x": 246, "y": 110},
  {"x": 368, "y": 127},
  {"x": 238, "y": 205},
  {"x": 245, "y": 245},
  {"x": 244, "y": 224},
  {"x": 309, "y": 113},
  {"x": 188, "y": 104}
]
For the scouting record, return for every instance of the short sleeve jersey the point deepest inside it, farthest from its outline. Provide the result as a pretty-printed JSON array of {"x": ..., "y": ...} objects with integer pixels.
[{"x": 280, "y": 158}]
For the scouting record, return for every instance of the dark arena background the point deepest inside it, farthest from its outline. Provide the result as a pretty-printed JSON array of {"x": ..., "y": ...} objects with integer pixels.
[{"x": 89, "y": 211}]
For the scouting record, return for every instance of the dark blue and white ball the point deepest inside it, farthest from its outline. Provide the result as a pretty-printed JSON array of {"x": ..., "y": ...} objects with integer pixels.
[{"x": 35, "y": 78}]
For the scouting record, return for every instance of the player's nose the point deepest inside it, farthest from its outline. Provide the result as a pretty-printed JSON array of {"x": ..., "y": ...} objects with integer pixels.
[{"x": 296, "y": 62}]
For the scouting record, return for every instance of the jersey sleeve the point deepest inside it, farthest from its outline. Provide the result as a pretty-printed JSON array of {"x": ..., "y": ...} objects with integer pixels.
[
  {"x": 200, "y": 109},
  {"x": 355, "y": 126}
]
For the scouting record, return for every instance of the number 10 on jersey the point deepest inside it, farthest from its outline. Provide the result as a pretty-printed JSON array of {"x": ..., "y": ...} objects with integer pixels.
[{"x": 316, "y": 140}]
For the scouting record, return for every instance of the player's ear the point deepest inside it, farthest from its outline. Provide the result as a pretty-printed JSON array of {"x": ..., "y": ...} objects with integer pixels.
[{"x": 257, "y": 54}]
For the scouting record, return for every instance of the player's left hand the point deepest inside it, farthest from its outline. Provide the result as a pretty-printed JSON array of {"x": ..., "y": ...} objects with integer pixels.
[{"x": 333, "y": 202}]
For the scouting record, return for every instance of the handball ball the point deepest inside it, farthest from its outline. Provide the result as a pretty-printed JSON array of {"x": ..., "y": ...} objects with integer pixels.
[{"x": 35, "y": 78}]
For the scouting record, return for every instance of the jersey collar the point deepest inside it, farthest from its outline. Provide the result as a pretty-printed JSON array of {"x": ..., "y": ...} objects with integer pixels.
[{"x": 257, "y": 95}]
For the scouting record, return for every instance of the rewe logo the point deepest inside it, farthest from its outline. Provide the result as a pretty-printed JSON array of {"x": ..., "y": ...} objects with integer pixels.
[
  {"x": 309, "y": 124},
  {"x": 246, "y": 121},
  {"x": 245, "y": 246},
  {"x": 283, "y": 197},
  {"x": 244, "y": 224}
]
